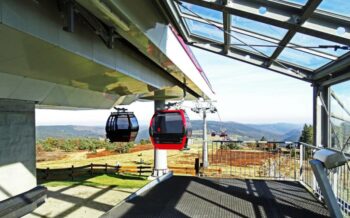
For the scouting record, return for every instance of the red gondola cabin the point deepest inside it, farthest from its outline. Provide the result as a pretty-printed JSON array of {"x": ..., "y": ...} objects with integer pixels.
[{"x": 170, "y": 129}]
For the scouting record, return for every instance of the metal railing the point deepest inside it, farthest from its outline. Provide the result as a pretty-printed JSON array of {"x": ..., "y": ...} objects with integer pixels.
[
  {"x": 265, "y": 160},
  {"x": 339, "y": 178},
  {"x": 275, "y": 160}
]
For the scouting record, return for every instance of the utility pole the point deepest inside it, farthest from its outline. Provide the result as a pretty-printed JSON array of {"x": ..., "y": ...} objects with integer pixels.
[{"x": 204, "y": 107}]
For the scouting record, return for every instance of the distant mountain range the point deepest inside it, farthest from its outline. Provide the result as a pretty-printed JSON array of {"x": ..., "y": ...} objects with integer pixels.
[{"x": 276, "y": 131}]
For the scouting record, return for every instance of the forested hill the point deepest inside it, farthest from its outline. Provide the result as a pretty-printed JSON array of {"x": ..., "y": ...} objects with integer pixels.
[{"x": 276, "y": 131}]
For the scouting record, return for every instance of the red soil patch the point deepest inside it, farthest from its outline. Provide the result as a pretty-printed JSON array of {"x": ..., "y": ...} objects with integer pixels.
[
  {"x": 239, "y": 158},
  {"x": 50, "y": 156},
  {"x": 139, "y": 148},
  {"x": 104, "y": 153},
  {"x": 101, "y": 154}
]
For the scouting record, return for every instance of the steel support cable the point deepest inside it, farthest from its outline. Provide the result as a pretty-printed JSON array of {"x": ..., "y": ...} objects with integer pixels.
[
  {"x": 340, "y": 103},
  {"x": 221, "y": 123},
  {"x": 335, "y": 47}
]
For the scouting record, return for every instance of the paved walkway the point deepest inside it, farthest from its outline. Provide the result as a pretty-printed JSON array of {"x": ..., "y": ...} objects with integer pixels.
[
  {"x": 80, "y": 201},
  {"x": 198, "y": 197}
]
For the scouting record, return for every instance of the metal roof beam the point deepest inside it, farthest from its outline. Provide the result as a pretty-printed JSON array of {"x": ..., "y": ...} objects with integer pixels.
[
  {"x": 177, "y": 20},
  {"x": 333, "y": 68},
  {"x": 252, "y": 58},
  {"x": 308, "y": 10},
  {"x": 257, "y": 35},
  {"x": 321, "y": 25},
  {"x": 333, "y": 73},
  {"x": 227, "y": 28},
  {"x": 341, "y": 77}
]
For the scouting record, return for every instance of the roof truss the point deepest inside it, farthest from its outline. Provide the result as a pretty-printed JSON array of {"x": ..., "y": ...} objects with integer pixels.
[{"x": 295, "y": 18}]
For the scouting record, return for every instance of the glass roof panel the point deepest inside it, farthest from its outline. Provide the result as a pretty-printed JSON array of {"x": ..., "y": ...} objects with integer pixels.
[
  {"x": 255, "y": 26},
  {"x": 299, "y": 2},
  {"x": 252, "y": 41},
  {"x": 341, "y": 7},
  {"x": 201, "y": 11},
  {"x": 302, "y": 59},
  {"x": 205, "y": 30},
  {"x": 306, "y": 40}
]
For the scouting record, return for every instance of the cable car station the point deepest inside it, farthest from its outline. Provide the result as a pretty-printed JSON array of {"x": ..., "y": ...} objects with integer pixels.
[{"x": 103, "y": 54}]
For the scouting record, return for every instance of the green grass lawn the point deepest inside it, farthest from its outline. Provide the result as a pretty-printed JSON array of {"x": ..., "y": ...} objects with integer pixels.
[{"x": 120, "y": 181}]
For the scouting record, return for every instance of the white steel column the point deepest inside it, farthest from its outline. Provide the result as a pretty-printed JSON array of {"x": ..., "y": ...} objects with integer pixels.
[
  {"x": 160, "y": 156},
  {"x": 205, "y": 141}
]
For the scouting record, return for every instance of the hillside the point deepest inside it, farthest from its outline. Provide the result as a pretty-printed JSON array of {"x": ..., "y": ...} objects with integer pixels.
[
  {"x": 69, "y": 131},
  {"x": 277, "y": 131}
]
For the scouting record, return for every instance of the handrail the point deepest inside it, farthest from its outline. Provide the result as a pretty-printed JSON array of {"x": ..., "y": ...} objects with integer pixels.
[{"x": 347, "y": 155}]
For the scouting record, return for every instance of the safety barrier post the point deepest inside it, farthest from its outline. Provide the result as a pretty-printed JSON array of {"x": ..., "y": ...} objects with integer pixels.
[{"x": 301, "y": 153}]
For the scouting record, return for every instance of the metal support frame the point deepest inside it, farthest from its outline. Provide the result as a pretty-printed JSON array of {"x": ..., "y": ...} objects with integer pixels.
[
  {"x": 69, "y": 16},
  {"x": 308, "y": 10},
  {"x": 321, "y": 120},
  {"x": 205, "y": 141},
  {"x": 205, "y": 107},
  {"x": 280, "y": 14},
  {"x": 326, "y": 188},
  {"x": 71, "y": 9},
  {"x": 335, "y": 72},
  {"x": 227, "y": 28},
  {"x": 293, "y": 17}
]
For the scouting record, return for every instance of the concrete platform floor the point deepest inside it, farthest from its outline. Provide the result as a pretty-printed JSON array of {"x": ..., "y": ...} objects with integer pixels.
[
  {"x": 80, "y": 201},
  {"x": 200, "y": 197}
]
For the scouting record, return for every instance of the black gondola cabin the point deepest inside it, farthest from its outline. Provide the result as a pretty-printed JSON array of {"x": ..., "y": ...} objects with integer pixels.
[
  {"x": 170, "y": 129},
  {"x": 122, "y": 126}
]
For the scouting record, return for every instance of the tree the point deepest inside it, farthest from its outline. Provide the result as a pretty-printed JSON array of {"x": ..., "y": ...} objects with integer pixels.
[
  {"x": 263, "y": 139},
  {"x": 307, "y": 134}
]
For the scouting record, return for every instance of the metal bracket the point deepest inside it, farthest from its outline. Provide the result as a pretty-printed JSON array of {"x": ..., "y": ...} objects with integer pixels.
[
  {"x": 69, "y": 16},
  {"x": 71, "y": 8}
]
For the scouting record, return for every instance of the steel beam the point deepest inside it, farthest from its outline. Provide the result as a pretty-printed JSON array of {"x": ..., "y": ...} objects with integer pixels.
[
  {"x": 254, "y": 59},
  {"x": 308, "y": 10},
  {"x": 321, "y": 25},
  {"x": 227, "y": 28},
  {"x": 330, "y": 70},
  {"x": 326, "y": 188},
  {"x": 250, "y": 33},
  {"x": 321, "y": 120},
  {"x": 316, "y": 116},
  {"x": 338, "y": 79}
]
